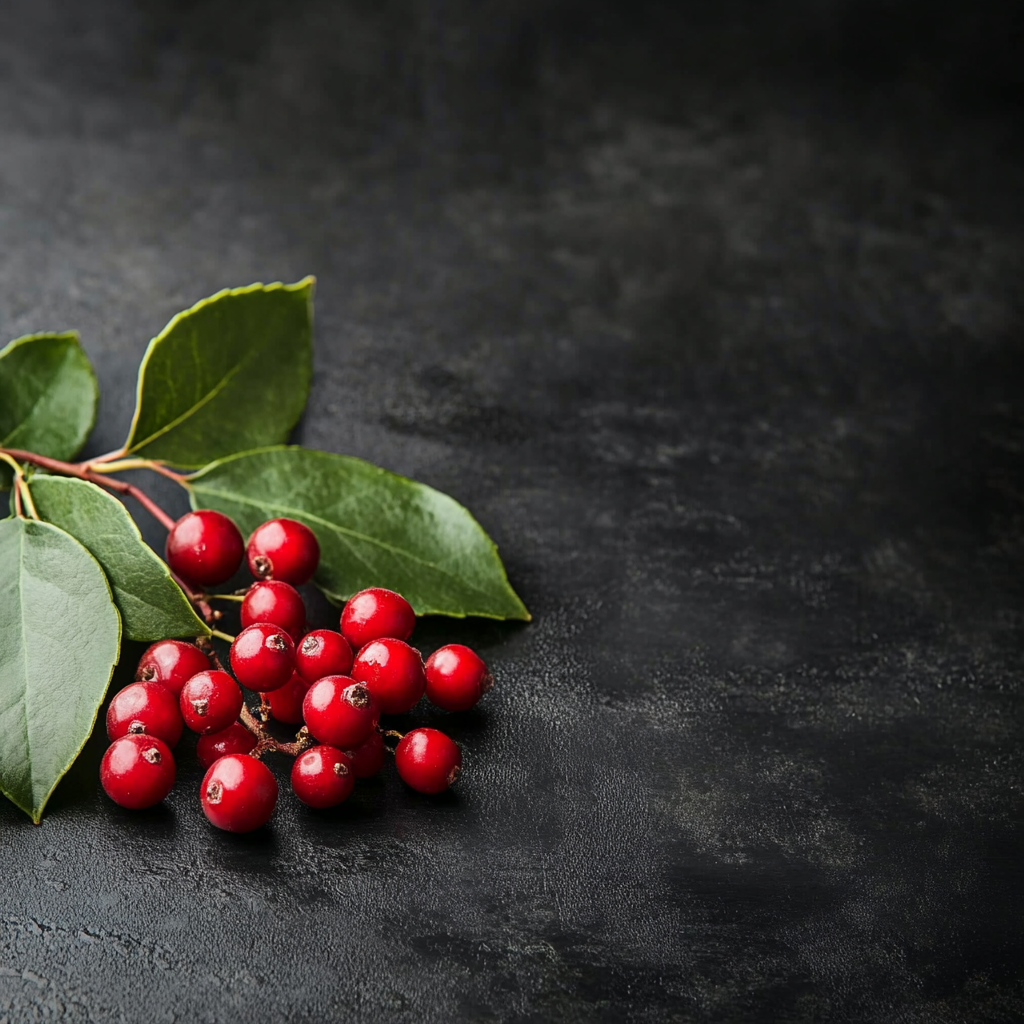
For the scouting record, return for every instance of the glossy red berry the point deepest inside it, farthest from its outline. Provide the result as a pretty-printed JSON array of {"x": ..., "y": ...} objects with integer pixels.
[
  {"x": 323, "y": 777},
  {"x": 376, "y": 613},
  {"x": 323, "y": 652},
  {"x": 368, "y": 757},
  {"x": 171, "y": 663},
  {"x": 456, "y": 678},
  {"x": 137, "y": 771},
  {"x": 275, "y": 602},
  {"x": 427, "y": 760},
  {"x": 339, "y": 711},
  {"x": 235, "y": 739},
  {"x": 286, "y": 701},
  {"x": 210, "y": 701},
  {"x": 145, "y": 708},
  {"x": 393, "y": 673},
  {"x": 263, "y": 657},
  {"x": 238, "y": 793},
  {"x": 204, "y": 547},
  {"x": 283, "y": 549}
]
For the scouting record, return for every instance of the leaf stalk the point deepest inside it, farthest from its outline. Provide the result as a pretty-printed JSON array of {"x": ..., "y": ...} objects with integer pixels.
[{"x": 121, "y": 465}]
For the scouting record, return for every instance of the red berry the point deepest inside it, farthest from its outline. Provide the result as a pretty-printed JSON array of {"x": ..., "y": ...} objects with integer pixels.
[
  {"x": 275, "y": 602},
  {"x": 456, "y": 678},
  {"x": 286, "y": 701},
  {"x": 339, "y": 711},
  {"x": 263, "y": 657},
  {"x": 427, "y": 760},
  {"x": 137, "y": 771},
  {"x": 172, "y": 663},
  {"x": 376, "y": 613},
  {"x": 322, "y": 653},
  {"x": 145, "y": 708},
  {"x": 238, "y": 793},
  {"x": 204, "y": 547},
  {"x": 210, "y": 701},
  {"x": 368, "y": 757},
  {"x": 283, "y": 549},
  {"x": 323, "y": 777},
  {"x": 393, "y": 672},
  {"x": 235, "y": 739}
]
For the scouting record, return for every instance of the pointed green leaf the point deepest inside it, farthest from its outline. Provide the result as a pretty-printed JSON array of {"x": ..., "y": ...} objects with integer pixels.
[
  {"x": 152, "y": 605},
  {"x": 59, "y": 640},
  {"x": 229, "y": 374},
  {"x": 48, "y": 396},
  {"x": 375, "y": 529}
]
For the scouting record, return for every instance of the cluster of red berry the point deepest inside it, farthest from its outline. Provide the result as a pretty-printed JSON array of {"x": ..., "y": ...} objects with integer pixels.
[{"x": 336, "y": 684}]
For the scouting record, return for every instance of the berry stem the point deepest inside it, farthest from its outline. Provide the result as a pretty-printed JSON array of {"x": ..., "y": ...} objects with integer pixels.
[
  {"x": 264, "y": 741},
  {"x": 251, "y": 722},
  {"x": 222, "y": 636},
  {"x": 208, "y": 614},
  {"x": 204, "y": 644},
  {"x": 224, "y": 597},
  {"x": 393, "y": 733},
  {"x": 303, "y": 741}
]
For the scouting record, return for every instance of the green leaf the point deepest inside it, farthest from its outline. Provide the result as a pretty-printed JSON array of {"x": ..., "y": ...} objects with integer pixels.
[
  {"x": 48, "y": 396},
  {"x": 59, "y": 640},
  {"x": 375, "y": 529},
  {"x": 229, "y": 374},
  {"x": 152, "y": 605}
]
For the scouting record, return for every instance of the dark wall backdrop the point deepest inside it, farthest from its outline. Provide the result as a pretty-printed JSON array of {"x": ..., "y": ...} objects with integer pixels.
[{"x": 712, "y": 314}]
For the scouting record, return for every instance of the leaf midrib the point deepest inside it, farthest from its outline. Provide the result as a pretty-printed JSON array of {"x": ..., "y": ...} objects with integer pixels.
[
  {"x": 208, "y": 397},
  {"x": 344, "y": 530},
  {"x": 35, "y": 405},
  {"x": 24, "y": 647}
]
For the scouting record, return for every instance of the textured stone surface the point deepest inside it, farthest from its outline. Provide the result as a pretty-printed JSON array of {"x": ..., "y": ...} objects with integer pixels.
[{"x": 713, "y": 321}]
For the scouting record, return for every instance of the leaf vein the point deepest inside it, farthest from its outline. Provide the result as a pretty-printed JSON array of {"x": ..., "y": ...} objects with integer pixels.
[
  {"x": 208, "y": 397},
  {"x": 344, "y": 530}
]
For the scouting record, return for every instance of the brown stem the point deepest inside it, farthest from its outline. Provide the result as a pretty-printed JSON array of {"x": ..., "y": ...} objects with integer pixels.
[
  {"x": 109, "y": 457},
  {"x": 303, "y": 741},
  {"x": 391, "y": 733},
  {"x": 264, "y": 741},
  {"x": 64, "y": 468},
  {"x": 251, "y": 722},
  {"x": 206, "y": 646},
  {"x": 208, "y": 614},
  {"x": 122, "y": 487},
  {"x": 84, "y": 473},
  {"x": 158, "y": 467}
]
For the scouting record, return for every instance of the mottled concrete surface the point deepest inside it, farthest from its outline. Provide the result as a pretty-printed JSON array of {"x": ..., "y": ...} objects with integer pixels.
[{"x": 714, "y": 320}]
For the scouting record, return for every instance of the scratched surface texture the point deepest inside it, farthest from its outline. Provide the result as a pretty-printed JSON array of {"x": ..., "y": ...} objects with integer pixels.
[{"x": 713, "y": 316}]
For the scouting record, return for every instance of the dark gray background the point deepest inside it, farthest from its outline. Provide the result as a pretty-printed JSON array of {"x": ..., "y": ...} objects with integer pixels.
[{"x": 712, "y": 314}]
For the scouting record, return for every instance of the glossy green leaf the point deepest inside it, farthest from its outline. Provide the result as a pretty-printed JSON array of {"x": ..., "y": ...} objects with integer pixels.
[
  {"x": 59, "y": 640},
  {"x": 229, "y": 374},
  {"x": 48, "y": 396},
  {"x": 375, "y": 529},
  {"x": 152, "y": 605}
]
